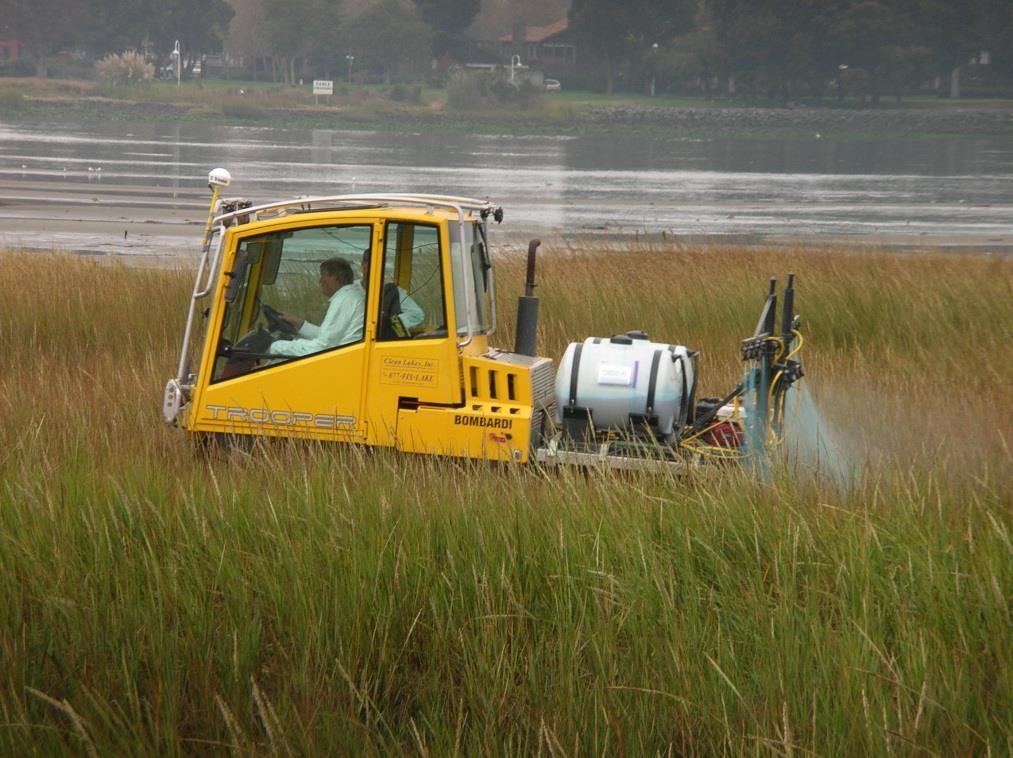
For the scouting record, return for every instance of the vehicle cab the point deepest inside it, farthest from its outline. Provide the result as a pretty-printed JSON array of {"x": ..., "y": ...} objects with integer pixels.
[{"x": 355, "y": 319}]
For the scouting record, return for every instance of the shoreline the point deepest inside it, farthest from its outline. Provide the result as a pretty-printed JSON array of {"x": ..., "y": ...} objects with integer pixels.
[
  {"x": 163, "y": 241},
  {"x": 730, "y": 119}
]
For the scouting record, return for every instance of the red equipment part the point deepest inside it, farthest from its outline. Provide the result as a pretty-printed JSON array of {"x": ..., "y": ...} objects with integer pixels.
[{"x": 726, "y": 434}]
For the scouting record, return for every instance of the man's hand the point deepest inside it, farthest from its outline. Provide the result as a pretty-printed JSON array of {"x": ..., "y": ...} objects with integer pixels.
[{"x": 294, "y": 321}]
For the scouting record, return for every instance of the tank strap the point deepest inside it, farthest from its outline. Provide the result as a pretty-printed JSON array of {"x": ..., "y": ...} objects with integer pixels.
[
  {"x": 652, "y": 385},
  {"x": 575, "y": 374}
]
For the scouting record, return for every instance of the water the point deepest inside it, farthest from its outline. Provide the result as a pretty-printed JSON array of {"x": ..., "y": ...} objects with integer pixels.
[
  {"x": 813, "y": 445},
  {"x": 808, "y": 445},
  {"x": 141, "y": 189}
]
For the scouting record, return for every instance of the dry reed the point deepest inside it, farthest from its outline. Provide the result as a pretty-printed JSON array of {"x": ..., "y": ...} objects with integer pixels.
[{"x": 309, "y": 599}]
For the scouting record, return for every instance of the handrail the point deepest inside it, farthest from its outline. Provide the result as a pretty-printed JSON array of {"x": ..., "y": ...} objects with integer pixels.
[
  {"x": 209, "y": 282},
  {"x": 492, "y": 281},
  {"x": 467, "y": 271},
  {"x": 197, "y": 294},
  {"x": 458, "y": 204}
]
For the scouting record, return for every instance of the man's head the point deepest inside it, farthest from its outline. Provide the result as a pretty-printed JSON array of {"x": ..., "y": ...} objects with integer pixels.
[
  {"x": 335, "y": 273},
  {"x": 365, "y": 266}
]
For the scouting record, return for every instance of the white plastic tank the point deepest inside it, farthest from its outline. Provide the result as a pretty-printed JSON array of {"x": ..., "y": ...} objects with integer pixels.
[{"x": 626, "y": 376}]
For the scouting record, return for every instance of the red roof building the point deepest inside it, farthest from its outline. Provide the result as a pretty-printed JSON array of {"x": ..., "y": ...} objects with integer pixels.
[
  {"x": 541, "y": 45},
  {"x": 10, "y": 49}
]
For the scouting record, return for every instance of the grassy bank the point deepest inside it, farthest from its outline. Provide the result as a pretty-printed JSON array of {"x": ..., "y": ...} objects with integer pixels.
[
  {"x": 336, "y": 600},
  {"x": 404, "y": 107},
  {"x": 226, "y": 102}
]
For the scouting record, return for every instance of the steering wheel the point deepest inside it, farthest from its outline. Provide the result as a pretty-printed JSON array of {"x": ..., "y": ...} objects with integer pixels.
[
  {"x": 275, "y": 322},
  {"x": 255, "y": 341}
]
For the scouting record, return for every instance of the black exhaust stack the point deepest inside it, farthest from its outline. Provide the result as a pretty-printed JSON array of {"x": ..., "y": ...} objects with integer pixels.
[
  {"x": 788, "y": 314},
  {"x": 527, "y": 308},
  {"x": 765, "y": 326},
  {"x": 789, "y": 370}
]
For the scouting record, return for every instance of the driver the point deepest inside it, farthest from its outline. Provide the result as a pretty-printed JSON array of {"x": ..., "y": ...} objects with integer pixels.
[{"x": 343, "y": 321}]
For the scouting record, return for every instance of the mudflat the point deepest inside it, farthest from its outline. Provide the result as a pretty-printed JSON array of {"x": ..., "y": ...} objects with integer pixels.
[
  {"x": 94, "y": 219},
  {"x": 165, "y": 227}
]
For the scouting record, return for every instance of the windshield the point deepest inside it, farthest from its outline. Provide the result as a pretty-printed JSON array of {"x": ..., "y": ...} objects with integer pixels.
[
  {"x": 472, "y": 280},
  {"x": 292, "y": 294}
]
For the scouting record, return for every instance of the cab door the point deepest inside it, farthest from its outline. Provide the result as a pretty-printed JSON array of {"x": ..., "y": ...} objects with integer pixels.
[
  {"x": 268, "y": 377},
  {"x": 414, "y": 359}
]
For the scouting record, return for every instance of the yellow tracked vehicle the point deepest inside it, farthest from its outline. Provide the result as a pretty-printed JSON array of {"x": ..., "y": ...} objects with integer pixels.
[{"x": 367, "y": 319}]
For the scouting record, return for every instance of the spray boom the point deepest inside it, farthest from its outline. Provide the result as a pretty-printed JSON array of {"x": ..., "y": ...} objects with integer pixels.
[{"x": 770, "y": 367}]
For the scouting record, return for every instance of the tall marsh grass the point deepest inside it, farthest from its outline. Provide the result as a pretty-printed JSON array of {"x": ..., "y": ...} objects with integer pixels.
[{"x": 305, "y": 599}]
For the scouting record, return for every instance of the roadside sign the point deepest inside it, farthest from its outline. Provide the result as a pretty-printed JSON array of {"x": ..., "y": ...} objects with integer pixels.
[{"x": 323, "y": 87}]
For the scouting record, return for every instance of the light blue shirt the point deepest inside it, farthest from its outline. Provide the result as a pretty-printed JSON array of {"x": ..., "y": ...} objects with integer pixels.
[
  {"x": 342, "y": 325},
  {"x": 411, "y": 312}
]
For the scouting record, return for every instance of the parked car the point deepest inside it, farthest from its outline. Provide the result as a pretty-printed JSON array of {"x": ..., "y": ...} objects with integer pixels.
[
  {"x": 169, "y": 71},
  {"x": 552, "y": 85}
]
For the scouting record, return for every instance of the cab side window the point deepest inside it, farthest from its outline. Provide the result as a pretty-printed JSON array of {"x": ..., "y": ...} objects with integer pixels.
[{"x": 411, "y": 297}]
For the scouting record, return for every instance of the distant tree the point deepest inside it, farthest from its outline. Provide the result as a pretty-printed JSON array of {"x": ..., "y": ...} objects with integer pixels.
[
  {"x": 997, "y": 37},
  {"x": 101, "y": 26},
  {"x": 952, "y": 32},
  {"x": 247, "y": 36},
  {"x": 904, "y": 67},
  {"x": 61, "y": 28},
  {"x": 390, "y": 38},
  {"x": 902, "y": 43},
  {"x": 448, "y": 20},
  {"x": 601, "y": 29},
  {"x": 614, "y": 32},
  {"x": 785, "y": 46},
  {"x": 862, "y": 34},
  {"x": 300, "y": 30},
  {"x": 199, "y": 25},
  {"x": 284, "y": 26},
  {"x": 116, "y": 25},
  {"x": 779, "y": 46},
  {"x": 693, "y": 56},
  {"x": 327, "y": 37}
]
